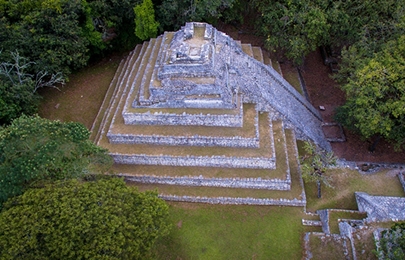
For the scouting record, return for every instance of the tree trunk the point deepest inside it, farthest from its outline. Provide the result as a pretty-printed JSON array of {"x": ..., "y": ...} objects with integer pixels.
[
  {"x": 374, "y": 144},
  {"x": 318, "y": 185}
]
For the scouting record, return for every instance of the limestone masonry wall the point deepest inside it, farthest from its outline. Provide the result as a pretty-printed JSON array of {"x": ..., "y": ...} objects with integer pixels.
[
  {"x": 236, "y": 201},
  {"x": 236, "y": 141},
  {"x": 246, "y": 183},
  {"x": 183, "y": 119},
  {"x": 203, "y": 161}
]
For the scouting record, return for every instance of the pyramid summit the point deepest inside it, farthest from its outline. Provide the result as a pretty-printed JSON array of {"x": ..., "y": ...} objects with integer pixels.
[{"x": 197, "y": 98}]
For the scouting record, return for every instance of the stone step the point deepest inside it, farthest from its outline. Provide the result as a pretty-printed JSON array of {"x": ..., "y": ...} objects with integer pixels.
[
  {"x": 276, "y": 179},
  {"x": 147, "y": 76},
  {"x": 125, "y": 76},
  {"x": 267, "y": 60},
  {"x": 258, "y": 54},
  {"x": 222, "y": 194},
  {"x": 107, "y": 101},
  {"x": 247, "y": 48},
  {"x": 245, "y": 136},
  {"x": 262, "y": 157}
]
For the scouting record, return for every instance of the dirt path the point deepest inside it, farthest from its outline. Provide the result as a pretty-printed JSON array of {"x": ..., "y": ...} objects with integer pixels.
[{"x": 323, "y": 91}]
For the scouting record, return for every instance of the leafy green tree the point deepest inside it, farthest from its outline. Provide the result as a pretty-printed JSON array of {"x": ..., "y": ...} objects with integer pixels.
[
  {"x": 18, "y": 88},
  {"x": 56, "y": 35},
  {"x": 392, "y": 243},
  {"x": 297, "y": 26},
  {"x": 314, "y": 164},
  {"x": 33, "y": 149},
  {"x": 174, "y": 13},
  {"x": 145, "y": 25},
  {"x": 102, "y": 219},
  {"x": 114, "y": 19},
  {"x": 375, "y": 92},
  {"x": 300, "y": 26}
]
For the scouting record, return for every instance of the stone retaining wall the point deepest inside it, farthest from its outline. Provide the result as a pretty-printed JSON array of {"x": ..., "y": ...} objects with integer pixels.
[
  {"x": 247, "y": 183},
  {"x": 203, "y": 161},
  {"x": 235, "y": 201},
  {"x": 401, "y": 177},
  {"x": 196, "y": 140}
]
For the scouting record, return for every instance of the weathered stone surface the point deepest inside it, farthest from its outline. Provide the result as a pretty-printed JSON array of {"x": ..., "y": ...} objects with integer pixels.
[
  {"x": 209, "y": 70},
  {"x": 381, "y": 208}
]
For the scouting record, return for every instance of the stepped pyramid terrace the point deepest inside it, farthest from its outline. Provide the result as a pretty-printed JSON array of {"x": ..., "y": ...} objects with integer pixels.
[{"x": 204, "y": 118}]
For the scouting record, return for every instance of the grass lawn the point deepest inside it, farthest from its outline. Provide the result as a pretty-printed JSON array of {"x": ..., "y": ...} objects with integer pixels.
[
  {"x": 346, "y": 183},
  {"x": 203, "y": 231},
  {"x": 80, "y": 99}
]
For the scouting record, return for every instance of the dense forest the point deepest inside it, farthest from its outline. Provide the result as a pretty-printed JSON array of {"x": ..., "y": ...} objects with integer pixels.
[{"x": 49, "y": 166}]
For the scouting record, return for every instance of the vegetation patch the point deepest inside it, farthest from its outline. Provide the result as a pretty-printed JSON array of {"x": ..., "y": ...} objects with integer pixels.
[{"x": 232, "y": 232}]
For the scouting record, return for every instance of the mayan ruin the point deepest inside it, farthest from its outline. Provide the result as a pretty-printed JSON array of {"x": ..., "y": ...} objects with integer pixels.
[{"x": 197, "y": 98}]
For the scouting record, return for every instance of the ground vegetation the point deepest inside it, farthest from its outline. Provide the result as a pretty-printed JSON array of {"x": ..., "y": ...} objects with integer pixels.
[{"x": 76, "y": 219}]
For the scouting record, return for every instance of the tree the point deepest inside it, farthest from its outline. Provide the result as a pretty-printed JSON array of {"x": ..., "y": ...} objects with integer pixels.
[
  {"x": 375, "y": 93},
  {"x": 392, "y": 243},
  {"x": 174, "y": 13},
  {"x": 56, "y": 35},
  {"x": 103, "y": 219},
  {"x": 314, "y": 165},
  {"x": 145, "y": 25},
  {"x": 18, "y": 87},
  {"x": 33, "y": 149},
  {"x": 298, "y": 27}
]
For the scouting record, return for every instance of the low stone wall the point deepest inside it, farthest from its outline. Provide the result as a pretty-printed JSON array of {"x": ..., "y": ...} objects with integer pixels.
[
  {"x": 235, "y": 201},
  {"x": 324, "y": 216},
  {"x": 183, "y": 119},
  {"x": 196, "y": 140},
  {"x": 247, "y": 183},
  {"x": 401, "y": 177},
  {"x": 203, "y": 161}
]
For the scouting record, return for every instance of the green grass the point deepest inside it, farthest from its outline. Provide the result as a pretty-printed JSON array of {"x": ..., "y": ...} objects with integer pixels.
[
  {"x": 346, "y": 183},
  {"x": 327, "y": 248},
  {"x": 292, "y": 78},
  {"x": 80, "y": 99},
  {"x": 334, "y": 216},
  {"x": 232, "y": 232}
]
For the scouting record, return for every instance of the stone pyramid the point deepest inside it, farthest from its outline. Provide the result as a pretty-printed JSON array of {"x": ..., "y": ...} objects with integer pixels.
[{"x": 196, "y": 98}]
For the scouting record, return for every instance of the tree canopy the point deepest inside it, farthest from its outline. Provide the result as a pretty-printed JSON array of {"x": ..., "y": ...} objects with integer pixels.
[
  {"x": 102, "y": 219},
  {"x": 376, "y": 95},
  {"x": 300, "y": 26},
  {"x": 145, "y": 25},
  {"x": 392, "y": 243},
  {"x": 174, "y": 13},
  {"x": 34, "y": 149}
]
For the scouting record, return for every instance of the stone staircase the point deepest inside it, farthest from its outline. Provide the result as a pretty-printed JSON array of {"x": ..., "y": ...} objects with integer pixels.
[{"x": 229, "y": 151}]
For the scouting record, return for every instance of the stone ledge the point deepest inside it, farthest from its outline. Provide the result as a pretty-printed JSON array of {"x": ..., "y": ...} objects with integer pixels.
[
  {"x": 247, "y": 183},
  {"x": 203, "y": 161},
  {"x": 237, "y": 141},
  {"x": 235, "y": 201}
]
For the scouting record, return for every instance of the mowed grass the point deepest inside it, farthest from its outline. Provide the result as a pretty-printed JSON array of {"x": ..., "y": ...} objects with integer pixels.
[
  {"x": 346, "y": 183},
  {"x": 203, "y": 231},
  {"x": 80, "y": 99}
]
